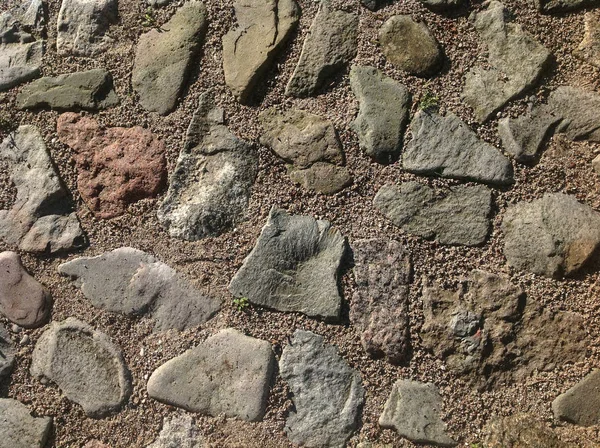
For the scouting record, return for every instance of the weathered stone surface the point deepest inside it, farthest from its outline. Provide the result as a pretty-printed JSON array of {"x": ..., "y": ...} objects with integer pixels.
[
  {"x": 19, "y": 429},
  {"x": 84, "y": 364},
  {"x": 229, "y": 373},
  {"x": 413, "y": 410},
  {"x": 457, "y": 216},
  {"x": 130, "y": 281},
  {"x": 410, "y": 46},
  {"x": 511, "y": 73},
  {"x": 210, "y": 187},
  {"x": 384, "y": 107},
  {"x": 519, "y": 431},
  {"x": 581, "y": 403},
  {"x": 178, "y": 432},
  {"x": 327, "y": 392},
  {"x": 158, "y": 3},
  {"x": 330, "y": 45},
  {"x": 20, "y": 54},
  {"x": 589, "y": 48},
  {"x": 596, "y": 164},
  {"x": 83, "y": 25},
  {"x": 553, "y": 6},
  {"x": 570, "y": 111},
  {"x": 117, "y": 166},
  {"x": 552, "y": 236},
  {"x": 7, "y": 353},
  {"x": 373, "y": 5},
  {"x": 163, "y": 57},
  {"x": 310, "y": 144},
  {"x": 379, "y": 310},
  {"x": 30, "y": 14},
  {"x": 293, "y": 266},
  {"x": 443, "y": 5},
  {"x": 23, "y": 300},
  {"x": 262, "y": 28},
  {"x": 39, "y": 192},
  {"x": 447, "y": 147},
  {"x": 91, "y": 90}
]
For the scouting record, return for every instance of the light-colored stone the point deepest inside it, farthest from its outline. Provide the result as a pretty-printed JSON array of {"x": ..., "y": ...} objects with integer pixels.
[
  {"x": 19, "y": 429},
  {"x": 589, "y": 48},
  {"x": 581, "y": 403},
  {"x": 178, "y": 432},
  {"x": 520, "y": 431}
]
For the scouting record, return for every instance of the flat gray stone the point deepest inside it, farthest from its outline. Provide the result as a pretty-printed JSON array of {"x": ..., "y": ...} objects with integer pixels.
[
  {"x": 447, "y": 147},
  {"x": 570, "y": 111},
  {"x": 379, "y": 309},
  {"x": 83, "y": 362},
  {"x": 330, "y": 45},
  {"x": 179, "y": 432},
  {"x": 91, "y": 90},
  {"x": 410, "y": 46},
  {"x": 520, "y": 431},
  {"x": 7, "y": 353},
  {"x": 248, "y": 49},
  {"x": 557, "y": 6},
  {"x": 458, "y": 215},
  {"x": 19, "y": 429},
  {"x": 309, "y": 143},
  {"x": 581, "y": 403},
  {"x": 327, "y": 393},
  {"x": 30, "y": 14},
  {"x": 82, "y": 26},
  {"x": 211, "y": 185},
  {"x": 163, "y": 57},
  {"x": 413, "y": 410},
  {"x": 510, "y": 74},
  {"x": 229, "y": 373},
  {"x": 130, "y": 281},
  {"x": 29, "y": 223},
  {"x": 23, "y": 300},
  {"x": 552, "y": 236},
  {"x": 384, "y": 108},
  {"x": 294, "y": 266}
]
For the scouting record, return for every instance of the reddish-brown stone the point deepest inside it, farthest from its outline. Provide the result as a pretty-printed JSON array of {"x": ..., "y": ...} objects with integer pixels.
[{"x": 117, "y": 166}]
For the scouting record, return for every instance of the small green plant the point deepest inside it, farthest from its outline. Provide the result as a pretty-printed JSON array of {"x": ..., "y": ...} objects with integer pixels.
[
  {"x": 429, "y": 101},
  {"x": 241, "y": 304},
  {"x": 150, "y": 20}
]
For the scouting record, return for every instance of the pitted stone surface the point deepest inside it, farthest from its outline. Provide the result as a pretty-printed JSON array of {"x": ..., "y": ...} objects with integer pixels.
[
  {"x": 327, "y": 392},
  {"x": 552, "y": 236},
  {"x": 520, "y": 431},
  {"x": 163, "y": 57},
  {"x": 293, "y": 266},
  {"x": 40, "y": 192},
  {"x": 516, "y": 59},
  {"x": 19, "y": 429},
  {"x": 229, "y": 373},
  {"x": 558, "y": 6},
  {"x": 413, "y": 410},
  {"x": 7, "y": 353},
  {"x": 581, "y": 403},
  {"x": 130, "y": 281},
  {"x": 383, "y": 114},
  {"x": 210, "y": 188},
  {"x": 330, "y": 45},
  {"x": 83, "y": 25},
  {"x": 263, "y": 26},
  {"x": 459, "y": 215},
  {"x": 447, "y": 147},
  {"x": 382, "y": 271},
  {"x": 116, "y": 166},
  {"x": 91, "y": 90},
  {"x": 178, "y": 432},
  {"x": 30, "y": 14},
  {"x": 83, "y": 362},
  {"x": 23, "y": 300}
]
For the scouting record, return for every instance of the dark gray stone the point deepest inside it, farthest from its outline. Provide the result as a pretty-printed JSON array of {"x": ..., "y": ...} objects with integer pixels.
[
  {"x": 487, "y": 90},
  {"x": 229, "y": 373},
  {"x": 293, "y": 266},
  {"x": 379, "y": 309},
  {"x": 383, "y": 114},
  {"x": 552, "y": 236},
  {"x": 163, "y": 57},
  {"x": 248, "y": 49},
  {"x": 7, "y": 353},
  {"x": 130, "y": 281},
  {"x": 83, "y": 362},
  {"x": 570, "y": 111},
  {"x": 581, "y": 403},
  {"x": 447, "y": 147},
  {"x": 519, "y": 431},
  {"x": 330, "y": 45},
  {"x": 413, "y": 410},
  {"x": 19, "y": 429},
  {"x": 210, "y": 187},
  {"x": 91, "y": 90},
  {"x": 179, "y": 432},
  {"x": 327, "y": 392},
  {"x": 29, "y": 223},
  {"x": 557, "y": 6},
  {"x": 410, "y": 46},
  {"x": 459, "y": 215},
  {"x": 373, "y": 5},
  {"x": 443, "y": 5}
]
